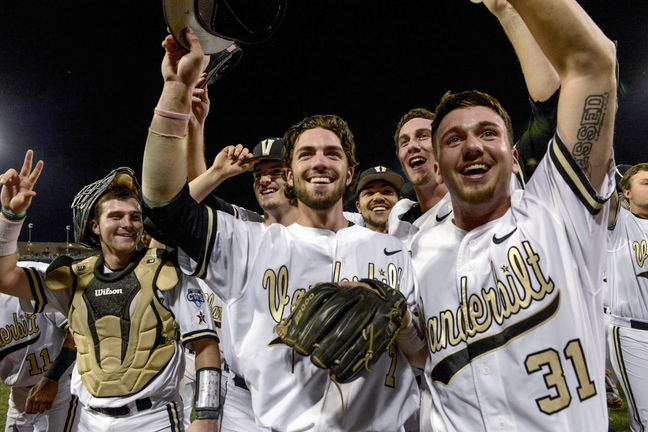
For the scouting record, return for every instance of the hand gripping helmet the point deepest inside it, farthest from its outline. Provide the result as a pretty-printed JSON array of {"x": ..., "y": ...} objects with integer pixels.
[{"x": 85, "y": 201}]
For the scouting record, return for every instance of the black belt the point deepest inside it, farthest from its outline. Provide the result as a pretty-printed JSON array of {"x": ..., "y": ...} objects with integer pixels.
[
  {"x": 639, "y": 325},
  {"x": 141, "y": 404},
  {"x": 240, "y": 382}
]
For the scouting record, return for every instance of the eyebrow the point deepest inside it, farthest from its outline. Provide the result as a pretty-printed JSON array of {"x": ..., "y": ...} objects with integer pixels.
[
  {"x": 417, "y": 131},
  {"x": 482, "y": 124}
]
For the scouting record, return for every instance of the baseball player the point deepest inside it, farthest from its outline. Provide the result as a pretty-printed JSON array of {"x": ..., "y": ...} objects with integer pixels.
[
  {"x": 260, "y": 271},
  {"x": 28, "y": 349},
  {"x": 412, "y": 219},
  {"x": 378, "y": 191},
  {"x": 511, "y": 299},
  {"x": 126, "y": 308},
  {"x": 626, "y": 295}
]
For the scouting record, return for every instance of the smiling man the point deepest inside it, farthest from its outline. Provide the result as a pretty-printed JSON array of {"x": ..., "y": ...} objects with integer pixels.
[
  {"x": 511, "y": 295},
  {"x": 265, "y": 269},
  {"x": 127, "y": 309},
  {"x": 270, "y": 183},
  {"x": 378, "y": 191}
]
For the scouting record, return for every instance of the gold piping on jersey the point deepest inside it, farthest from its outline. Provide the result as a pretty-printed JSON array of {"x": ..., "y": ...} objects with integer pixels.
[
  {"x": 575, "y": 177},
  {"x": 37, "y": 289},
  {"x": 150, "y": 341},
  {"x": 174, "y": 418},
  {"x": 624, "y": 376},
  {"x": 201, "y": 267}
]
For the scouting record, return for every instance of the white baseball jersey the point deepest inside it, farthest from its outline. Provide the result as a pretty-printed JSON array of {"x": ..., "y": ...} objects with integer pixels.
[
  {"x": 29, "y": 343},
  {"x": 627, "y": 282},
  {"x": 627, "y": 266},
  {"x": 186, "y": 302},
  {"x": 513, "y": 310},
  {"x": 188, "y": 382},
  {"x": 260, "y": 272}
]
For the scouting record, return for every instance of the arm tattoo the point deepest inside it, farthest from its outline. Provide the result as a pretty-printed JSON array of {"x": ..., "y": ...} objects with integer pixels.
[{"x": 590, "y": 129}]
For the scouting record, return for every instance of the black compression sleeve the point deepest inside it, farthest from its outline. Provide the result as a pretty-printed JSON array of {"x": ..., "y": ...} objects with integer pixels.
[
  {"x": 186, "y": 222},
  {"x": 533, "y": 143}
]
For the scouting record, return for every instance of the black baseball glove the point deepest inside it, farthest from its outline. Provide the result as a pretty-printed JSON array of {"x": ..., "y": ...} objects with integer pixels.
[{"x": 344, "y": 330}]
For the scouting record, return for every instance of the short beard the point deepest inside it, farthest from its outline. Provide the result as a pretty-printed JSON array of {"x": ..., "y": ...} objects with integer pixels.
[
  {"x": 476, "y": 196},
  {"x": 423, "y": 180},
  {"x": 321, "y": 202},
  {"x": 371, "y": 222}
]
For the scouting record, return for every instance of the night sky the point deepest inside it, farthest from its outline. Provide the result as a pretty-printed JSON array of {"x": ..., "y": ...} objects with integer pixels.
[{"x": 79, "y": 81}]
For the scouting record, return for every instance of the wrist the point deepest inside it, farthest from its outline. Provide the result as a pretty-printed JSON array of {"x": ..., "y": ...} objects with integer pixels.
[
  {"x": 13, "y": 216},
  {"x": 175, "y": 97},
  {"x": 9, "y": 232},
  {"x": 207, "y": 397}
]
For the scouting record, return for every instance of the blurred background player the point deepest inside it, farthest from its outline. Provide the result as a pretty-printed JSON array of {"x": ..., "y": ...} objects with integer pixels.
[
  {"x": 40, "y": 398},
  {"x": 627, "y": 295}
]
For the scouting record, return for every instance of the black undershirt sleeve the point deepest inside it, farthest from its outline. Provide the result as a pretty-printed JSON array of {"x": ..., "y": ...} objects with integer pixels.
[
  {"x": 185, "y": 222},
  {"x": 533, "y": 143}
]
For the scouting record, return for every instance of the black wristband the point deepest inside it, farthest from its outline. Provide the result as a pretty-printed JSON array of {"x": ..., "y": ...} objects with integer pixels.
[{"x": 66, "y": 357}]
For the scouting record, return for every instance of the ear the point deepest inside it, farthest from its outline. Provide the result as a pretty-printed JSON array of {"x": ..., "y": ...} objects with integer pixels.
[
  {"x": 289, "y": 178},
  {"x": 95, "y": 227},
  {"x": 358, "y": 206},
  {"x": 350, "y": 172},
  {"x": 516, "y": 163},
  {"x": 627, "y": 194},
  {"x": 437, "y": 172}
]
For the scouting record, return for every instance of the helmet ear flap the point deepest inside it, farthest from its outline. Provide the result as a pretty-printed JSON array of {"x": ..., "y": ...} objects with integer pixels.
[{"x": 84, "y": 203}]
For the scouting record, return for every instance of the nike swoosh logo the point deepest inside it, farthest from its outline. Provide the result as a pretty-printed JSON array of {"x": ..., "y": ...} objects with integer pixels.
[
  {"x": 391, "y": 252},
  {"x": 439, "y": 219},
  {"x": 499, "y": 240}
]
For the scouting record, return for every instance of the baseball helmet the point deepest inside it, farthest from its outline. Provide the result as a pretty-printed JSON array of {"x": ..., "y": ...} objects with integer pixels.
[
  {"x": 380, "y": 173},
  {"x": 218, "y": 23},
  {"x": 268, "y": 149},
  {"x": 84, "y": 203}
]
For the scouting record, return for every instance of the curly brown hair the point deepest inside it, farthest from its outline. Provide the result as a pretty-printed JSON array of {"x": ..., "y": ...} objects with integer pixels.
[{"x": 329, "y": 122}]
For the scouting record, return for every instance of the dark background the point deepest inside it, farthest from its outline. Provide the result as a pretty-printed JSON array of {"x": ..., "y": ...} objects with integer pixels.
[{"x": 79, "y": 80}]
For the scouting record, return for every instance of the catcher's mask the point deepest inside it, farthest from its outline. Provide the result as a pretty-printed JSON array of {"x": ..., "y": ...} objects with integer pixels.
[
  {"x": 85, "y": 201},
  {"x": 218, "y": 23}
]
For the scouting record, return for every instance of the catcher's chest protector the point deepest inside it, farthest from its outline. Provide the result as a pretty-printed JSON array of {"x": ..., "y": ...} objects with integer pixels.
[{"x": 124, "y": 336}]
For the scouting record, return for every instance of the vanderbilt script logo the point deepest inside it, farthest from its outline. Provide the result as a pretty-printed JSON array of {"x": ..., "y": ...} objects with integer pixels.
[
  {"x": 276, "y": 284},
  {"x": 523, "y": 285},
  {"x": 22, "y": 327}
]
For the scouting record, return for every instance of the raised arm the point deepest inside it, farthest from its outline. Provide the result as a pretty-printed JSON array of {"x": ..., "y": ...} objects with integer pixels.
[
  {"x": 16, "y": 196},
  {"x": 164, "y": 170},
  {"x": 196, "y": 164},
  {"x": 541, "y": 78},
  {"x": 584, "y": 58},
  {"x": 229, "y": 162}
]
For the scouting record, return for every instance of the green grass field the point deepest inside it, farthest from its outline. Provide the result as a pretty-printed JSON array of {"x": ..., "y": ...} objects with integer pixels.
[{"x": 618, "y": 418}]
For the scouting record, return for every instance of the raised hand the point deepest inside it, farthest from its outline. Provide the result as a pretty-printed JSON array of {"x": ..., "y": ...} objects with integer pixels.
[
  {"x": 181, "y": 65},
  {"x": 17, "y": 188},
  {"x": 232, "y": 160},
  {"x": 200, "y": 102}
]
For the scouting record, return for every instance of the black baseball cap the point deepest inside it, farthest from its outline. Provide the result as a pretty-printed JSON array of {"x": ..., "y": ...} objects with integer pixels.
[
  {"x": 380, "y": 173},
  {"x": 268, "y": 149}
]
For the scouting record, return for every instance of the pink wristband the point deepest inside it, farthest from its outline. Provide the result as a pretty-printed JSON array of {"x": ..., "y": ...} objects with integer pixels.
[{"x": 171, "y": 114}]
